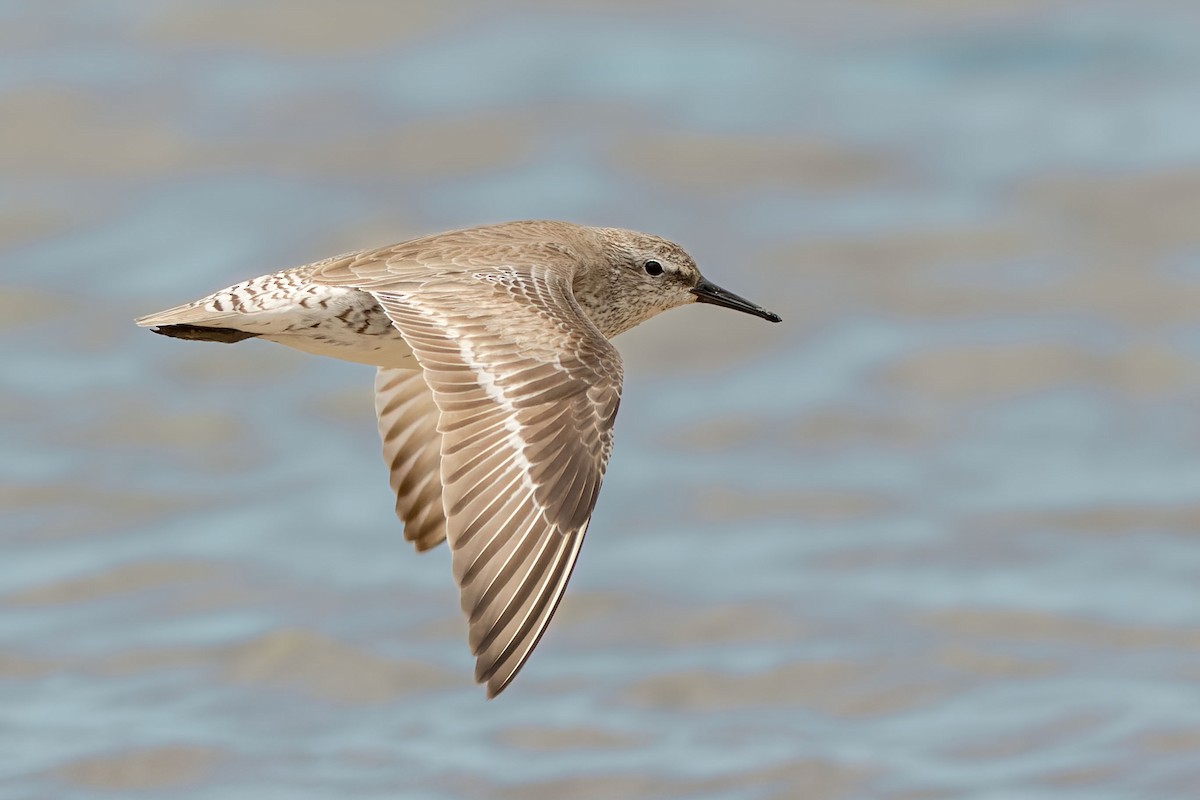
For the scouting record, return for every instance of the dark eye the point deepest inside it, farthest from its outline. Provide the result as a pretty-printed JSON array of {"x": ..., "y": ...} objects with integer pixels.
[{"x": 653, "y": 268}]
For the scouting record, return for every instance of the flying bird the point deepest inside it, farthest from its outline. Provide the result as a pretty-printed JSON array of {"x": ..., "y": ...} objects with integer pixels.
[{"x": 496, "y": 388}]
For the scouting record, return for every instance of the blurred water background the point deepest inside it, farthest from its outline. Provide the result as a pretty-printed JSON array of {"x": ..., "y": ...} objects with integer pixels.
[{"x": 935, "y": 536}]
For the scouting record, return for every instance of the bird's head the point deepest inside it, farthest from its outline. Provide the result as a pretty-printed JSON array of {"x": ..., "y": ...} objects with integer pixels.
[{"x": 646, "y": 275}]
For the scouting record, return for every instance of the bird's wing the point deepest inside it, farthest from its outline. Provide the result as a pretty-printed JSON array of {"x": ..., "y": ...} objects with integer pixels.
[
  {"x": 412, "y": 450},
  {"x": 528, "y": 389}
]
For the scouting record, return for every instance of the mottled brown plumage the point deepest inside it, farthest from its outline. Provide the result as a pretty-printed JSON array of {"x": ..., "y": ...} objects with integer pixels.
[{"x": 496, "y": 394}]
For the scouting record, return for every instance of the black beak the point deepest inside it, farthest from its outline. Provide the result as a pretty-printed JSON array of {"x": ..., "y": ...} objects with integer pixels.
[{"x": 708, "y": 292}]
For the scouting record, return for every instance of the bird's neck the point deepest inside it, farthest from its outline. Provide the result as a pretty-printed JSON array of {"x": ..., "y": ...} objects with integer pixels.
[{"x": 603, "y": 303}]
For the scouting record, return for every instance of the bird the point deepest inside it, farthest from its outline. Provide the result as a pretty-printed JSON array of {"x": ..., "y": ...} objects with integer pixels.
[{"x": 496, "y": 388}]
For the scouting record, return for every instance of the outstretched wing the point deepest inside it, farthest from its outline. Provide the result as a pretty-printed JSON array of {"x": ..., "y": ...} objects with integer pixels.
[
  {"x": 527, "y": 390},
  {"x": 412, "y": 449}
]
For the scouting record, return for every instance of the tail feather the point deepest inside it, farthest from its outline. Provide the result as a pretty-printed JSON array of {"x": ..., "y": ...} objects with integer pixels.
[
  {"x": 201, "y": 333},
  {"x": 194, "y": 321},
  {"x": 187, "y": 314}
]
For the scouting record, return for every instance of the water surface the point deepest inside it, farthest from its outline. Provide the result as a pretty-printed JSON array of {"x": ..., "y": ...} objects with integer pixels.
[{"x": 933, "y": 536}]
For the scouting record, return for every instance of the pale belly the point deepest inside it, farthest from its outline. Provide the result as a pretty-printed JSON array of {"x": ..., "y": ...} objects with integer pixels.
[{"x": 380, "y": 350}]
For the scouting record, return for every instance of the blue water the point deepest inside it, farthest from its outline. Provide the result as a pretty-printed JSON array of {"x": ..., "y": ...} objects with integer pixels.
[{"x": 933, "y": 536}]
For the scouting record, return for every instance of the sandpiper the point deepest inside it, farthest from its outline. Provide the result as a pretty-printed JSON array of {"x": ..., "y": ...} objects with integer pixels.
[{"x": 496, "y": 388}]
